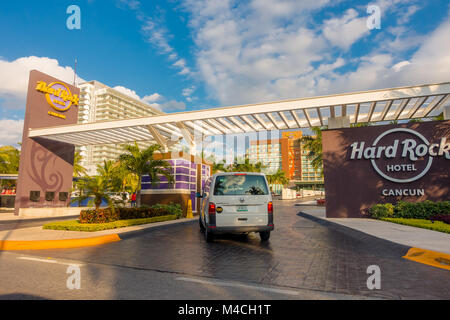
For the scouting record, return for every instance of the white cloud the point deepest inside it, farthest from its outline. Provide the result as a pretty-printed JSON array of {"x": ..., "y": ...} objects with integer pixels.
[
  {"x": 128, "y": 92},
  {"x": 132, "y": 4},
  {"x": 431, "y": 62},
  {"x": 346, "y": 30},
  {"x": 14, "y": 76},
  {"x": 397, "y": 67},
  {"x": 10, "y": 132},
  {"x": 187, "y": 92},
  {"x": 157, "y": 35},
  {"x": 406, "y": 15},
  {"x": 156, "y": 106},
  {"x": 152, "y": 98},
  {"x": 181, "y": 64},
  {"x": 169, "y": 106},
  {"x": 173, "y": 105}
]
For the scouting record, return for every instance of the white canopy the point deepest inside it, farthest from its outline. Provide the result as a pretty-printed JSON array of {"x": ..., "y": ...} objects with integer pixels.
[{"x": 369, "y": 106}]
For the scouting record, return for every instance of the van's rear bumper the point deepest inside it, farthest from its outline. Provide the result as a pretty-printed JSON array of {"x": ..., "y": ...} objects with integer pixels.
[{"x": 239, "y": 229}]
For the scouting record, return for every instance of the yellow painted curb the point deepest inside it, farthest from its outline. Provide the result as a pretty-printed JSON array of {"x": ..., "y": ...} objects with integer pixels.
[
  {"x": 58, "y": 244},
  {"x": 432, "y": 258}
]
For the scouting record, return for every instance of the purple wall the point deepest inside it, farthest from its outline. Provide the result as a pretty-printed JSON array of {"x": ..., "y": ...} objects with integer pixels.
[{"x": 185, "y": 175}]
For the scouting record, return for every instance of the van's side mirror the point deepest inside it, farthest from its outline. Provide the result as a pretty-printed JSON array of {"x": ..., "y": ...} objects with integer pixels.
[{"x": 198, "y": 195}]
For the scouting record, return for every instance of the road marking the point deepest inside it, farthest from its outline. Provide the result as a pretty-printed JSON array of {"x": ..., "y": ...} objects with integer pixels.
[
  {"x": 50, "y": 260},
  {"x": 36, "y": 259},
  {"x": 239, "y": 285}
]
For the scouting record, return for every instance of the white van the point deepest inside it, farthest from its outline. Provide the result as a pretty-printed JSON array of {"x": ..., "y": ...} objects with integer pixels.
[{"x": 236, "y": 202}]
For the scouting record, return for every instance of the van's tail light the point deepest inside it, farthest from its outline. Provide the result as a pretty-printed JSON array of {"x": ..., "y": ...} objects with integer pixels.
[
  {"x": 270, "y": 214},
  {"x": 212, "y": 208},
  {"x": 212, "y": 215}
]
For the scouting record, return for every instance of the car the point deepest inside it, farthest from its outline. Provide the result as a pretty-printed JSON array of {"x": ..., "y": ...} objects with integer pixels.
[{"x": 236, "y": 202}]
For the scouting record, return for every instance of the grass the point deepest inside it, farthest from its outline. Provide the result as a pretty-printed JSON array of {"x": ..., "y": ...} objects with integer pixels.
[
  {"x": 421, "y": 223},
  {"x": 75, "y": 225}
]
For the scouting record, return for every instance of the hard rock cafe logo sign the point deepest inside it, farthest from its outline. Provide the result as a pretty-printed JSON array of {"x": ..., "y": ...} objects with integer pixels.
[
  {"x": 58, "y": 96},
  {"x": 401, "y": 155}
]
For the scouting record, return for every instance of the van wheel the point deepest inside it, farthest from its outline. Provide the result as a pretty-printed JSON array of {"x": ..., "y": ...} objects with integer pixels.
[
  {"x": 209, "y": 237},
  {"x": 265, "y": 235},
  {"x": 202, "y": 227}
]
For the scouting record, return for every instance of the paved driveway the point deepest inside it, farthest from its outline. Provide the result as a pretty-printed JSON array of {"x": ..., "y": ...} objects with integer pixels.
[{"x": 302, "y": 253}]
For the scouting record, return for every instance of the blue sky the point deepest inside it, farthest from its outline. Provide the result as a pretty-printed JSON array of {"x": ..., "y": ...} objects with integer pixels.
[{"x": 193, "y": 54}]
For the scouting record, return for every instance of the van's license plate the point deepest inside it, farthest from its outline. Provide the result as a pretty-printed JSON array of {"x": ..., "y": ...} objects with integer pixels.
[{"x": 241, "y": 208}]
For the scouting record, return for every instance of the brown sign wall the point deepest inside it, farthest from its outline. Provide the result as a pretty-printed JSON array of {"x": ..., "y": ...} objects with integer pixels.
[
  {"x": 45, "y": 166},
  {"x": 354, "y": 185}
]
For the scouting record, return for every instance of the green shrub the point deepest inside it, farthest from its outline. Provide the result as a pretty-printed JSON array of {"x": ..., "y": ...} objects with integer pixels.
[
  {"x": 172, "y": 208},
  {"x": 382, "y": 211},
  {"x": 443, "y": 207},
  {"x": 421, "y": 210},
  {"x": 410, "y": 210},
  {"x": 156, "y": 210}
]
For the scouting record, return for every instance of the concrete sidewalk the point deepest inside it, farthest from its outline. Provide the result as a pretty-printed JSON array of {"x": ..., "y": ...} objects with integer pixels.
[{"x": 405, "y": 235}]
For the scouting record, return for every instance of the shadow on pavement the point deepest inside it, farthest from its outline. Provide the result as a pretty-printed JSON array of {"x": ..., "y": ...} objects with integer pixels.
[{"x": 20, "y": 296}]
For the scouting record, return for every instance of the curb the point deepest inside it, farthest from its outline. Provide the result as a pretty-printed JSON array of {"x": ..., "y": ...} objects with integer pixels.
[
  {"x": 431, "y": 258},
  {"x": 8, "y": 245}
]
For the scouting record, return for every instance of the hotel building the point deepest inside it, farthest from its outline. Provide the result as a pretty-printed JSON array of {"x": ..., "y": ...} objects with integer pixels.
[
  {"x": 288, "y": 154},
  {"x": 99, "y": 102}
]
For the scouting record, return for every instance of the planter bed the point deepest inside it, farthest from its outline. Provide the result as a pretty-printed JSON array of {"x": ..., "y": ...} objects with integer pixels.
[{"x": 75, "y": 225}]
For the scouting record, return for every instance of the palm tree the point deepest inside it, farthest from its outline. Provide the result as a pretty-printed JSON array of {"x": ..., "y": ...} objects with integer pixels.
[
  {"x": 97, "y": 188},
  {"x": 78, "y": 169},
  {"x": 110, "y": 172},
  {"x": 128, "y": 182},
  {"x": 278, "y": 177},
  {"x": 313, "y": 144},
  {"x": 120, "y": 178},
  {"x": 246, "y": 166},
  {"x": 9, "y": 159},
  {"x": 219, "y": 167},
  {"x": 141, "y": 162}
]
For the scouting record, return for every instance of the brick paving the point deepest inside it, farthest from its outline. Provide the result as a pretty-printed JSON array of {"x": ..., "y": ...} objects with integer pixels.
[{"x": 303, "y": 252}]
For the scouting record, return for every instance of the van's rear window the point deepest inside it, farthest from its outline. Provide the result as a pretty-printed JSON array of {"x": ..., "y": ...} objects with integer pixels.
[{"x": 233, "y": 185}]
